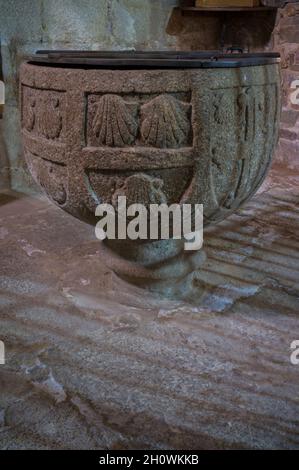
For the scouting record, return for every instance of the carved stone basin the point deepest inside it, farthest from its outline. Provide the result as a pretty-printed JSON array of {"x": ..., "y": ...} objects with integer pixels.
[{"x": 156, "y": 127}]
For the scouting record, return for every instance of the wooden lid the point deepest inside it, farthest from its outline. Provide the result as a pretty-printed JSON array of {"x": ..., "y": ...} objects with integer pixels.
[{"x": 151, "y": 59}]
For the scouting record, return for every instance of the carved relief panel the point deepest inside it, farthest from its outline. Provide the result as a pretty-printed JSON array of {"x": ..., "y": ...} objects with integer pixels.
[
  {"x": 155, "y": 120},
  {"x": 146, "y": 187},
  {"x": 241, "y": 122},
  {"x": 44, "y": 113}
]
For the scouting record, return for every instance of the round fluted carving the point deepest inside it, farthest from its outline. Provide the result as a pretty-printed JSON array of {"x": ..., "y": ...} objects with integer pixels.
[{"x": 114, "y": 124}]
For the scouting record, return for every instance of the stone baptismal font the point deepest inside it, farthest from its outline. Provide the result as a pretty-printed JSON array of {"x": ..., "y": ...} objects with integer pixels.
[{"x": 186, "y": 128}]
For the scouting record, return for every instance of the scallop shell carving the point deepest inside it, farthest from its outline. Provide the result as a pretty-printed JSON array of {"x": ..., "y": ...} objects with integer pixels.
[
  {"x": 141, "y": 189},
  {"x": 114, "y": 123},
  {"x": 165, "y": 122}
]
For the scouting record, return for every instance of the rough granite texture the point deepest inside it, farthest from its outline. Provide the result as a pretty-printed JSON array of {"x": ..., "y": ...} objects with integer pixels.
[
  {"x": 194, "y": 136},
  {"x": 27, "y": 25}
]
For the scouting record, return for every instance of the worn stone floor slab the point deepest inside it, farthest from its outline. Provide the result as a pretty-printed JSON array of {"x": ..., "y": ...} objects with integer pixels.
[{"x": 94, "y": 363}]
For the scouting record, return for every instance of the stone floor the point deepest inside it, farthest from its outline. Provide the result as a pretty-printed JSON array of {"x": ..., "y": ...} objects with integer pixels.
[{"x": 94, "y": 363}]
